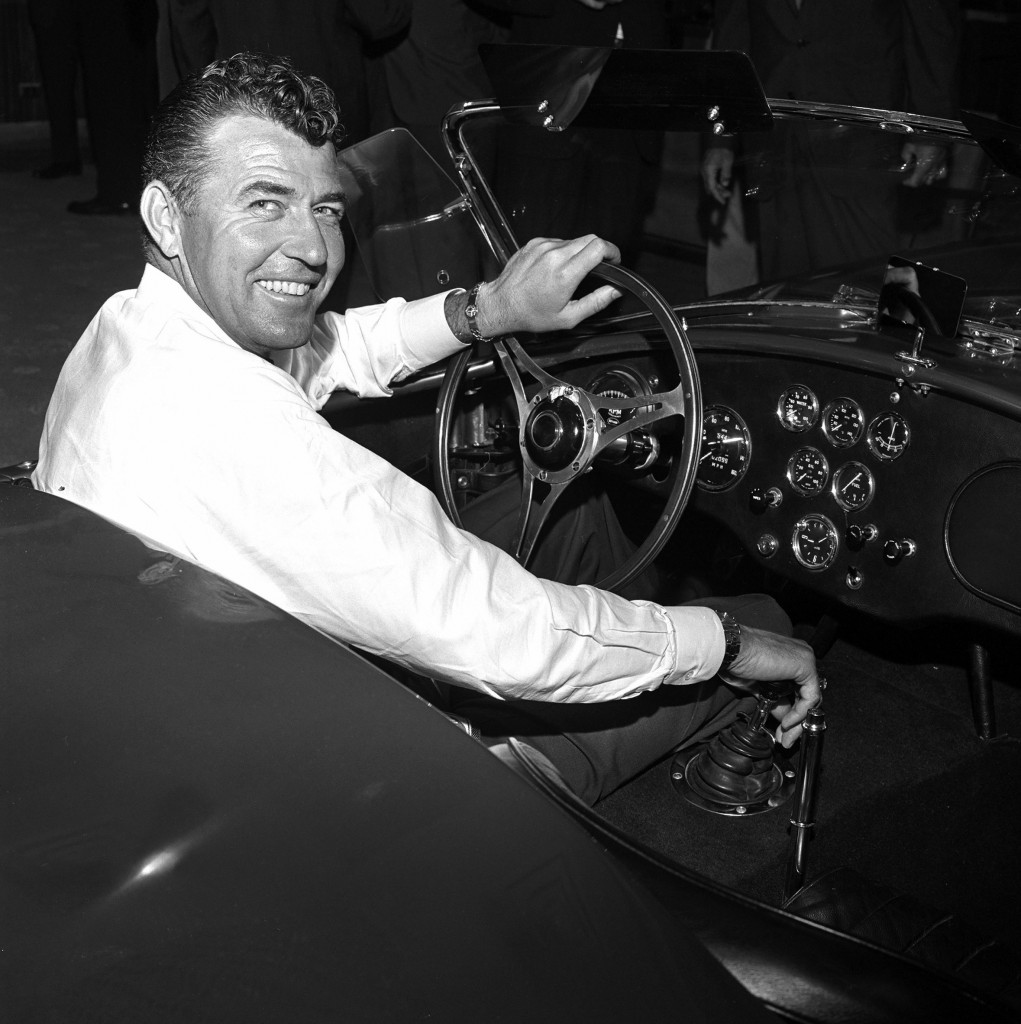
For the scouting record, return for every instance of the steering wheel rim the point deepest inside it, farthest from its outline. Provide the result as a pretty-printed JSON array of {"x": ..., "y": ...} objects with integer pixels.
[{"x": 684, "y": 400}]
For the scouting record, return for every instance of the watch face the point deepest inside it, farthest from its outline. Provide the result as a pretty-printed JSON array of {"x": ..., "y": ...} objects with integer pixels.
[{"x": 731, "y": 638}]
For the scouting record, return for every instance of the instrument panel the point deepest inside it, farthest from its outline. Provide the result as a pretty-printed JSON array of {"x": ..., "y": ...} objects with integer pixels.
[
  {"x": 826, "y": 460},
  {"x": 846, "y": 481}
]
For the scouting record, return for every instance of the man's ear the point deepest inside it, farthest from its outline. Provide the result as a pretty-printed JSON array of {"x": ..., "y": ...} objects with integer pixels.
[{"x": 162, "y": 218}]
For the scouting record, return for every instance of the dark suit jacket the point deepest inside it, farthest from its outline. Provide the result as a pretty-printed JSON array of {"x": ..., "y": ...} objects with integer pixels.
[
  {"x": 891, "y": 54},
  {"x": 322, "y": 37},
  {"x": 574, "y": 24}
]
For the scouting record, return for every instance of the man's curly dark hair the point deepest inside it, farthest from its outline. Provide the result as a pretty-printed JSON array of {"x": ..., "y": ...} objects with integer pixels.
[{"x": 176, "y": 151}]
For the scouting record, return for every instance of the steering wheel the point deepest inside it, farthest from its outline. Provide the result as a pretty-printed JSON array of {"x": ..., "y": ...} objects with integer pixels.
[{"x": 563, "y": 429}]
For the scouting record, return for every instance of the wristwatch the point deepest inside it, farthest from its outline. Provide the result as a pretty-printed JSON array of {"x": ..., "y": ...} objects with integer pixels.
[
  {"x": 731, "y": 639},
  {"x": 471, "y": 312}
]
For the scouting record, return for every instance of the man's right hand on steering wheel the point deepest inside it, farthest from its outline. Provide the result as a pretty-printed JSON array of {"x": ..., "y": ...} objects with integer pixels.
[{"x": 535, "y": 290}]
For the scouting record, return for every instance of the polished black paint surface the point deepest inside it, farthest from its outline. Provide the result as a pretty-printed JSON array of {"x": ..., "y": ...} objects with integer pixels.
[{"x": 211, "y": 812}]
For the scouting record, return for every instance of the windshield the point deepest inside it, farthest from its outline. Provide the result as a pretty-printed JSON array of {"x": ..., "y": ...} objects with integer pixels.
[
  {"x": 812, "y": 210},
  {"x": 407, "y": 226},
  {"x": 829, "y": 208}
]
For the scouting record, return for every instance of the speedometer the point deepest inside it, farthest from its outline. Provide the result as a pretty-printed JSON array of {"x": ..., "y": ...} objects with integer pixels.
[{"x": 726, "y": 449}]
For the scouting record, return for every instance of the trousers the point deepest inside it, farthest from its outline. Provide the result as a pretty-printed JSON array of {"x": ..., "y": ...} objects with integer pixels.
[{"x": 596, "y": 748}]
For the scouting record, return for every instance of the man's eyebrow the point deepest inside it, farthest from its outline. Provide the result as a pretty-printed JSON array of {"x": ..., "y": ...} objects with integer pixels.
[{"x": 273, "y": 188}]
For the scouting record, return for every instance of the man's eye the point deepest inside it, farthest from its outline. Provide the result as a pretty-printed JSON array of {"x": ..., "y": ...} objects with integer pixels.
[
  {"x": 330, "y": 212},
  {"x": 265, "y": 205}
]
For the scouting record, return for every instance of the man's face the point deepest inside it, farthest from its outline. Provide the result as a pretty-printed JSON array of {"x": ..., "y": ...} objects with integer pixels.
[{"x": 261, "y": 245}]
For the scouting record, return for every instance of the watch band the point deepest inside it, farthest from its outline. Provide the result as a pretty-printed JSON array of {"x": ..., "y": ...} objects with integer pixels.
[
  {"x": 471, "y": 312},
  {"x": 731, "y": 639}
]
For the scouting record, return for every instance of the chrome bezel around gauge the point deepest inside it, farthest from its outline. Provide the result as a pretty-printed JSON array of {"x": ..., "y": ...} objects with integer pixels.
[
  {"x": 801, "y": 464},
  {"x": 861, "y": 479},
  {"x": 733, "y": 436},
  {"x": 824, "y": 537},
  {"x": 843, "y": 422},
  {"x": 797, "y": 409},
  {"x": 890, "y": 448}
]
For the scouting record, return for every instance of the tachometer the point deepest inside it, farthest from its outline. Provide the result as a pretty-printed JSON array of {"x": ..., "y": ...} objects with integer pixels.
[
  {"x": 798, "y": 408},
  {"x": 815, "y": 542},
  {"x": 726, "y": 449}
]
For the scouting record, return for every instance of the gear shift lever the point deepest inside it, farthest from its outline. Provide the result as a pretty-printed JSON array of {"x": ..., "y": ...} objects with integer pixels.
[{"x": 740, "y": 771}]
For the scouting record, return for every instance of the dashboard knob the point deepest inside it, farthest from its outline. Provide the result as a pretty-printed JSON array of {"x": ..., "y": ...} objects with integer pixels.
[
  {"x": 896, "y": 550},
  {"x": 761, "y": 500}
]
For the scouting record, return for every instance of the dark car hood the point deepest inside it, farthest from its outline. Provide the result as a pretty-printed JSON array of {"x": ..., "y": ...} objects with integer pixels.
[{"x": 211, "y": 812}]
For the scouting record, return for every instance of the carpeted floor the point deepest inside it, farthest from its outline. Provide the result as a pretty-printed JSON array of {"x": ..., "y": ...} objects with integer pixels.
[{"x": 909, "y": 796}]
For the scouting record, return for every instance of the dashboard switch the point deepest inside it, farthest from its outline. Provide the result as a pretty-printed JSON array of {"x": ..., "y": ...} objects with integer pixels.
[
  {"x": 858, "y": 536},
  {"x": 761, "y": 500},
  {"x": 854, "y": 578},
  {"x": 896, "y": 550},
  {"x": 767, "y": 545}
]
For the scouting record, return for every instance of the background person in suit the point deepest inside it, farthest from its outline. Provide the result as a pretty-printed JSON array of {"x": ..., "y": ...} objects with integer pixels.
[
  {"x": 889, "y": 54},
  {"x": 327, "y": 38},
  {"x": 113, "y": 42},
  {"x": 604, "y": 180}
]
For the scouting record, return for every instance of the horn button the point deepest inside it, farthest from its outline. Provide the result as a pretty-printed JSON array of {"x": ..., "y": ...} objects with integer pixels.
[{"x": 555, "y": 432}]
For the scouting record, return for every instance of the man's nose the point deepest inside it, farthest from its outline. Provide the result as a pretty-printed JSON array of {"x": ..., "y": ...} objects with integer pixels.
[{"x": 306, "y": 241}]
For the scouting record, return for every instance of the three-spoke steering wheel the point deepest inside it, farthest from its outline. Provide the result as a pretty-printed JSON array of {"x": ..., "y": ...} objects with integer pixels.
[{"x": 563, "y": 429}]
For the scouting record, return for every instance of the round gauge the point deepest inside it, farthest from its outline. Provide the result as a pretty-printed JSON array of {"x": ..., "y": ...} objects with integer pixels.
[
  {"x": 798, "y": 409},
  {"x": 853, "y": 486},
  {"x": 888, "y": 436},
  {"x": 726, "y": 449},
  {"x": 808, "y": 471},
  {"x": 619, "y": 382},
  {"x": 843, "y": 422},
  {"x": 815, "y": 542}
]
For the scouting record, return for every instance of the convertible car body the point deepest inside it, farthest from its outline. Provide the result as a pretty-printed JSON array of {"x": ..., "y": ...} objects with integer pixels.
[{"x": 211, "y": 812}]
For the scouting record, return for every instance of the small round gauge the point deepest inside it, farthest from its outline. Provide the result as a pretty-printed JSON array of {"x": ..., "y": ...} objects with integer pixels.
[
  {"x": 808, "y": 471},
  {"x": 853, "y": 486},
  {"x": 815, "y": 542},
  {"x": 888, "y": 436},
  {"x": 726, "y": 449},
  {"x": 798, "y": 409},
  {"x": 843, "y": 422}
]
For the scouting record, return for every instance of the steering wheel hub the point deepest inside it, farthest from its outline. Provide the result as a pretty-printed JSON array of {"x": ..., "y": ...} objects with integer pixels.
[{"x": 554, "y": 433}]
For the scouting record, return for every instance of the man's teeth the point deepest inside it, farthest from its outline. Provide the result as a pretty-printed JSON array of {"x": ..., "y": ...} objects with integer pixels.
[{"x": 289, "y": 287}]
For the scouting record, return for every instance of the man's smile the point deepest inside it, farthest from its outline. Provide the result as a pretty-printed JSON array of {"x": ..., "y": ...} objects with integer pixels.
[{"x": 278, "y": 287}]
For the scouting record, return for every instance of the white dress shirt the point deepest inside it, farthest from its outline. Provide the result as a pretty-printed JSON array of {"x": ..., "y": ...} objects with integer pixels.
[{"x": 163, "y": 425}]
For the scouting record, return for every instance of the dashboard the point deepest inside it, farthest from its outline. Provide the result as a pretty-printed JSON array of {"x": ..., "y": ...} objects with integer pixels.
[
  {"x": 828, "y": 469},
  {"x": 894, "y": 499}
]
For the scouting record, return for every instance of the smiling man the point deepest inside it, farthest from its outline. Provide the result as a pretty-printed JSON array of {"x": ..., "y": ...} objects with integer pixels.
[{"x": 188, "y": 414}]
